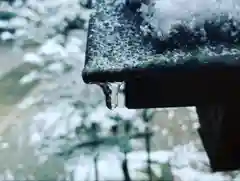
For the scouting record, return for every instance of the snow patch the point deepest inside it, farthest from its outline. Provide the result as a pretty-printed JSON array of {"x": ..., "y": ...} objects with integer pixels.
[
  {"x": 29, "y": 101},
  {"x": 29, "y": 78},
  {"x": 137, "y": 160},
  {"x": 33, "y": 58},
  {"x": 189, "y": 174},
  {"x": 164, "y": 15},
  {"x": 52, "y": 48},
  {"x": 6, "y": 36},
  {"x": 56, "y": 67}
]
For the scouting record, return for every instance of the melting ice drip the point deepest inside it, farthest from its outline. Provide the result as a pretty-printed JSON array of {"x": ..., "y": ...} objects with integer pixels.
[{"x": 111, "y": 92}]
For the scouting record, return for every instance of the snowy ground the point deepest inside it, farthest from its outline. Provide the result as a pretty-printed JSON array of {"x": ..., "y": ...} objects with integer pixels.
[
  {"x": 181, "y": 170},
  {"x": 23, "y": 125},
  {"x": 182, "y": 158}
]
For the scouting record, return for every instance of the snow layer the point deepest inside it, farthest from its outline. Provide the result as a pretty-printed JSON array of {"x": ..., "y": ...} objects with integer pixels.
[
  {"x": 165, "y": 15},
  {"x": 116, "y": 43}
]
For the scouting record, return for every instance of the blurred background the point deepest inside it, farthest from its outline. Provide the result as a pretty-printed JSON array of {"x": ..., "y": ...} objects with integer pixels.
[{"x": 55, "y": 127}]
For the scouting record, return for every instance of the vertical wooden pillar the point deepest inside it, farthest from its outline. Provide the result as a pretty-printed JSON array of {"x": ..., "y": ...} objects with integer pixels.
[{"x": 220, "y": 134}]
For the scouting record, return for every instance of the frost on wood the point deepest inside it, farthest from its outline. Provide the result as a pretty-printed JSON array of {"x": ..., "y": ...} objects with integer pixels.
[
  {"x": 114, "y": 41},
  {"x": 162, "y": 34}
]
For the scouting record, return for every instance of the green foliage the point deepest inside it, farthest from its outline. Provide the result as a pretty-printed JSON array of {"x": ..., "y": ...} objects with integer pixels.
[
  {"x": 94, "y": 138},
  {"x": 105, "y": 141},
  {"x": 165, "y": 170},
  {"x": 7, "y": 15}
]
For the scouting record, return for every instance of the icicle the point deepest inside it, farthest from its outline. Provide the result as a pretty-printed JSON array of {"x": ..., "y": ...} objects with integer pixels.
[
  {"x": 121, "y": 99},
  {"x": 115, "y": 95},
  {"x": 107, "y": 93},
  {"x": 111, "y": 93}
]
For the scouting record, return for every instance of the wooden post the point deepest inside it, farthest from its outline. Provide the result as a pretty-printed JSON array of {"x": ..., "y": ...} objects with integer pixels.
[{"x": 220, "y": 134}]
